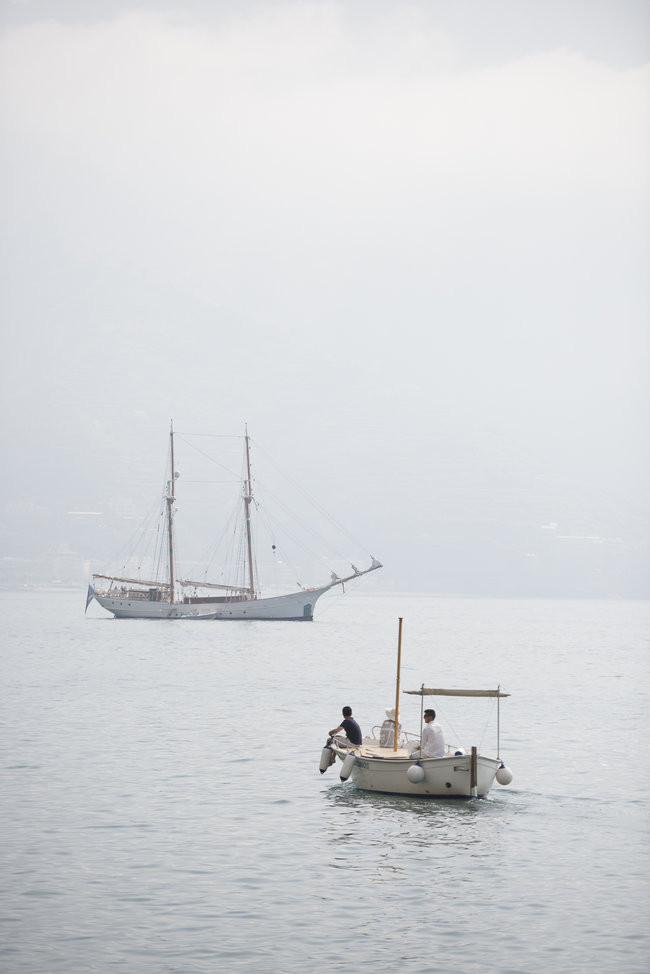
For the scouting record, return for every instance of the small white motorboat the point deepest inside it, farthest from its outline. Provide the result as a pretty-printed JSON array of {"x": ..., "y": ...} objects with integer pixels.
[{"x": 402, "y": 770}]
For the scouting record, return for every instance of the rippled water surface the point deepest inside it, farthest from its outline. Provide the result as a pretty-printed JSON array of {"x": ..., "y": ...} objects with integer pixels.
[{"x": 162, "y": 809}]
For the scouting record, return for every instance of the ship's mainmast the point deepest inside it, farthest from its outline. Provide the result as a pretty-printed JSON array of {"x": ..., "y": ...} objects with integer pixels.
[
  {"x": 170, "y": 498},
  {"x": 248, "y": 497}
]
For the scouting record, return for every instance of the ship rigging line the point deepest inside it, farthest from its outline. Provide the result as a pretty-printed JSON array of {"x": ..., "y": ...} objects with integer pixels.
[
  {"x": 207, "y": 455},
  {"x": 318, "y": 506},
  {"x": 291, "y": 514},
  {"x": 303, "y": 524},
  {"x": 238, "y": 479},
  {"x": 271, "y": 531},
  {"x": 218, "y": 436},
  {"x": 134, "y": 540}
]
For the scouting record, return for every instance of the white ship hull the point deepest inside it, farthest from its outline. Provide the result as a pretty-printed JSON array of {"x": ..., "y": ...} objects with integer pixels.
[
  {"x": 298, "y": 606},
  {"x": 125, "y": 607}
]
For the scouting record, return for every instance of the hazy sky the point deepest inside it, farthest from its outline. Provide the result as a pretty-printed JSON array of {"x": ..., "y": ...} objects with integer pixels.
[{"x": 407, "y": 243}]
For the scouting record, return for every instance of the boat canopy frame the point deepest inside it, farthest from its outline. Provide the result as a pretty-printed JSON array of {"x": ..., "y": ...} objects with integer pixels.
[{"x": 441, "y": 692}]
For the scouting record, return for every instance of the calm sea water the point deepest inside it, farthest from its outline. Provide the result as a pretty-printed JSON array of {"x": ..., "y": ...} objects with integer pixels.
[{"x": 162, "y": 809}]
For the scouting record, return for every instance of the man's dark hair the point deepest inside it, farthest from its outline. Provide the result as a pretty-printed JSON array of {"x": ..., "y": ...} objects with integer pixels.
[
  {"x": 347, "y": 711},
  {"x": 430, "y": 711}
]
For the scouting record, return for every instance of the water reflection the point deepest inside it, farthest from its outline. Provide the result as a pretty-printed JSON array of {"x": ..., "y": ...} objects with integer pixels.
[
  {"x": 415, "y": 805},
  {"x": 392, "y": 832}
]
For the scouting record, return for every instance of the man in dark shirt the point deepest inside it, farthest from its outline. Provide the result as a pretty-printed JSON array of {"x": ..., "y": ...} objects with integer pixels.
[{"x": 350, "y": 726}]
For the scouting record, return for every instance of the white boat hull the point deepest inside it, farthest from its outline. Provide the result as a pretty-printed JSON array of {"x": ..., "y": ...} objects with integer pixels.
[
  {"x": 443, "y": 777},
  {"x": 448, "y": 777},
  {"x": 298, "y": 606}
]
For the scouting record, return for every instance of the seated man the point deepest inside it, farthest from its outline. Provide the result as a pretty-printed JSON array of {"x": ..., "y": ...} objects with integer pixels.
[
  {"x": 432, "y": 744},
  {"x": 387, "y": 731},
  {"x": 350, "y": 726}
]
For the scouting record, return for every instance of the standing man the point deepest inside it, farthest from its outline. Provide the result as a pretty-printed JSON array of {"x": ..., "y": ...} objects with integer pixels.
[
  {"x": 433, "y": 739},
  {"x": 350, "y": 726}
]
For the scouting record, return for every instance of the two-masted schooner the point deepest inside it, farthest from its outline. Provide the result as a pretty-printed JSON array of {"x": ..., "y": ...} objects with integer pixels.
[{"x": 173, "y": 598}]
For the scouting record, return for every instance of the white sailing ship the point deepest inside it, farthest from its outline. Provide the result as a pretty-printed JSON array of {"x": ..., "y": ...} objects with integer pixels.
[
  {"x": 173, "y": 598},
  {"x": 401, "y": 769}
]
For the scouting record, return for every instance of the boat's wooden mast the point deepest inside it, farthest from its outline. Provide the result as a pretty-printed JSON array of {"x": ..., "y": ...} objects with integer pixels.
[
  {"x": 399, "y": 663},
  {"x": 170, "y": 498},
  {"x": 248, "y": 497}
]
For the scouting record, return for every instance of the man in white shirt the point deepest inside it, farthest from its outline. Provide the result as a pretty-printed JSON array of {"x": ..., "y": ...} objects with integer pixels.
[{"x": 433, "y": 739}]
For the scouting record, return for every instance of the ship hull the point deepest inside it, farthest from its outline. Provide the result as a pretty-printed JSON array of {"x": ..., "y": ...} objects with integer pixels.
[
  {"x": 296, "y": 607},
  {"x": 130, "y": 608}
]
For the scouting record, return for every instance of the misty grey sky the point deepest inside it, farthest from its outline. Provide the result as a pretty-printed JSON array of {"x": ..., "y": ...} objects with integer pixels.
[{"x": 406, "y": 242}]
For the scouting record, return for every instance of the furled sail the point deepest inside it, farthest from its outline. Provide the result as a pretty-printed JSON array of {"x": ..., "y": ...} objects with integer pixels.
[
  {"x": 228, "y": 588},
  {"x": 133, "y": 581}
]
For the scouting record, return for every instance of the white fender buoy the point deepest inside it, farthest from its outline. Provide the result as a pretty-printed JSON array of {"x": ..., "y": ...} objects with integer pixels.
[
  {"x": 325, "y": 759},
  {"x": 504, "y": 775},
  {"x": 415, "y": 774},
  {"x": 348, "y": 764}
]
